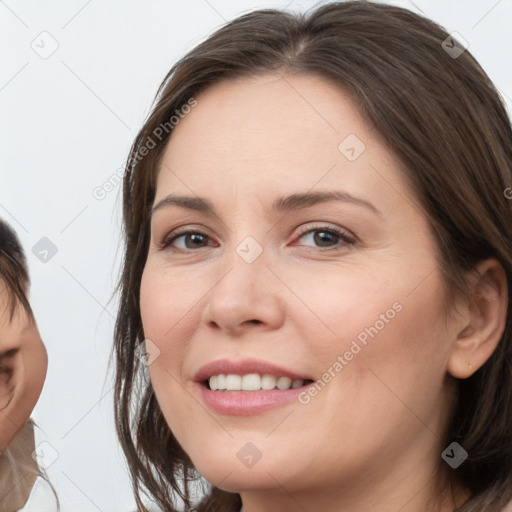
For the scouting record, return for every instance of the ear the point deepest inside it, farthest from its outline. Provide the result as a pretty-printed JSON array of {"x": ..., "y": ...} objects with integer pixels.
[{"x": 483, "y": 319}]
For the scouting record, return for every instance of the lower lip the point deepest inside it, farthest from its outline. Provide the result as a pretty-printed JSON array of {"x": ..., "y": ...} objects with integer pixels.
[{"x": 246, "y": 403}]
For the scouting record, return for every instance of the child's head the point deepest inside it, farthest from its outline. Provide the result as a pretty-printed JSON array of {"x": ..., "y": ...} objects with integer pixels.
[{"x": 23, "y": 365}]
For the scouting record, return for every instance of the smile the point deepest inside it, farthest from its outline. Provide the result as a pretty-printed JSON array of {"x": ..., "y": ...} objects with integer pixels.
[
  {"x": 247, "y": 387},
  {"x": 252, "y": 382}
]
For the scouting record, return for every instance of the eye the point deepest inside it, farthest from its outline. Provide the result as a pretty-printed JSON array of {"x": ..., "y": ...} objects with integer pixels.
[
  {"x": 328, "y": 237},
  {"x": 186, "y": 240},
  {"x": 6, "y": 369},
  {"x": 5, "y": 373}
]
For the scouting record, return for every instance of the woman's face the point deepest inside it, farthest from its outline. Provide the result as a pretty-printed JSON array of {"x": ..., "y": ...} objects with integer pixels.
[
  {"x": 286, "y": 247},
  {"x": 23, "y": 365}
]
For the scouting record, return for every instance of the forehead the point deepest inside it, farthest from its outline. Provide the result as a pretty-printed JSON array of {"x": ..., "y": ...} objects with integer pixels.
[
  {"x": 249, "y": 119},
  {"x": 272, "y": 132}
]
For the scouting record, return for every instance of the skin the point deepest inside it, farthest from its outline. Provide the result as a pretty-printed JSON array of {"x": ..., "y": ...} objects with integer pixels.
[
  {"x": 23, "y": 366},
  {"x": 371, "y": 439}
]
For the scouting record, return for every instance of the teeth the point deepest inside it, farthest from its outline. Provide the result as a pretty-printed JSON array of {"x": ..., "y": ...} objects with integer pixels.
[
  {"x": 252, "y": 382},
  {"x": 284, "y": 383},
  {"x": 268, "y": 382},
  {"x": 221, "y": 382},
  {"x": 233, "y": 382}
]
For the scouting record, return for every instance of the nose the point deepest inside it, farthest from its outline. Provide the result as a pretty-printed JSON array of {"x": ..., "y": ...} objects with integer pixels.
[{"x": 247, "y": 297}]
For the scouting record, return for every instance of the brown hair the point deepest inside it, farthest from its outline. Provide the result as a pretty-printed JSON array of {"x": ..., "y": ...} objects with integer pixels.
[
  {"x": 14, "y": 271},
  {"x": 447, "y": 124}
]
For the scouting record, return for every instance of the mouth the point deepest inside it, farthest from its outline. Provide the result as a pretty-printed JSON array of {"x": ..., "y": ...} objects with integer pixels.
[
  {"x": 253, "y": 382},
  {"x": 248, "y": 387}
]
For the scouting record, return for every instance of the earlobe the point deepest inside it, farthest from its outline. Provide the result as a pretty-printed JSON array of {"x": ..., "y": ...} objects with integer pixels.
[{"x": 485, "y": 319}]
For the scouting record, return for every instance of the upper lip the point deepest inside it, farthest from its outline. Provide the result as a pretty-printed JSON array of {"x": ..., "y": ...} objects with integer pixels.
[{"x": 244, "y": 367}]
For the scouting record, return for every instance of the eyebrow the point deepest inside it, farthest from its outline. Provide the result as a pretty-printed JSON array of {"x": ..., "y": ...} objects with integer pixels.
[{"x": 283, "y": 204}]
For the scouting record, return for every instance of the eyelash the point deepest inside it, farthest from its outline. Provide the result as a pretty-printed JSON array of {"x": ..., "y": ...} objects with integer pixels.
[{"x": 346, "y": 240}]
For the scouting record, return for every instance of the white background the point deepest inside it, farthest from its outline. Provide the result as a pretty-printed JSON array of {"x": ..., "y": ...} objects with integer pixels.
[{"x": 66, "y": 126}]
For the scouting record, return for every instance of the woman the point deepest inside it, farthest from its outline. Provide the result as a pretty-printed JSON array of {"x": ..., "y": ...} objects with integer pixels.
[
  {"x": 23, "y": 365},
  {"x": 317, "y": 267}
]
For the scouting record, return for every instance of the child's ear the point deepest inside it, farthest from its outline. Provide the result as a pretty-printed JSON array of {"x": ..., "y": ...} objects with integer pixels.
[{"x": 484, "y": 318}]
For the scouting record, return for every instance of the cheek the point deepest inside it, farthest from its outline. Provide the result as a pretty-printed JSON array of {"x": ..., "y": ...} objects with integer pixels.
[
  {"x": 35, "y": 364},
  {"x": 344, "y": 306},
  {"x": 389, "y": 338},
  {"x": 379, "y": 302},
  {"x": 167, "y": 307},
  {"x": 402, "y": 362}
]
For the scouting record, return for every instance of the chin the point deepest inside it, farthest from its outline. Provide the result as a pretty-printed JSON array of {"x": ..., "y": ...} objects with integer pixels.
[
  {"x": 240, "y": 480},
  {"x": 236, "y": 469}
]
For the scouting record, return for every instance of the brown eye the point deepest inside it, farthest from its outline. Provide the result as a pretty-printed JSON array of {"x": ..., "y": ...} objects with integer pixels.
[{"x": 186, "y": 240}]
